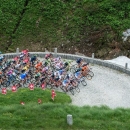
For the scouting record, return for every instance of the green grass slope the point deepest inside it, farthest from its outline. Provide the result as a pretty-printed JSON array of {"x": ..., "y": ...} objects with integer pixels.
[{"x": 52, "y": 115}]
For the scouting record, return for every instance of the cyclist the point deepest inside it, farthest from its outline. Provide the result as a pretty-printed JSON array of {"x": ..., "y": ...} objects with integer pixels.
[
  {"x": 85, "y": 69},
  {"x": 10, "y": 71},
  {"x": 47, "y": 62},
  {"x": 57, "y": 60},
  {"x": 59, "y": 65},
  {"x": 42, "y": 78},
  {"x": 38, "y": 66},
  {"x": 49, "y": 56},
  {"x": 26, "y": 60},
  {"x": 72, "y": 80},
  {"x": 23, "y": 77},
  {"x": 79, "y": 62},
  {"x": 11, "y": 75},
  {"x": 25, "y": 68},
  {"x": 44, "y": 69},
  {"x": 25, "y": 51},
  {"x": 1, "y": 58},
  {"x": 62, "y": 73},
  {"x": 2, "y": 79},
  {"x": 21, "y": 56},
  {"x": 16, "y": 58},
  {"x": 67, "y": 65},
  {"x": 33, "y": 59},
  {"x": 37, "y": 75},
  {"x": 66, "y": 83},
  {"x": 83, "y": 66},
  {"x": 57, "y": 79},
  {"x": 78, "y": 74}
]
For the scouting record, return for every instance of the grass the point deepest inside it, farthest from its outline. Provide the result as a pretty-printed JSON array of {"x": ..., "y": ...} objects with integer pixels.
[
  {"x": 28, "y": 96},
  {"x": 52, "y": 115}
]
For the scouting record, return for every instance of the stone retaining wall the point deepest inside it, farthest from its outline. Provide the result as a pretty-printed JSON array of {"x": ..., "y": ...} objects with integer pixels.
[{"x": 74, "y": 57}]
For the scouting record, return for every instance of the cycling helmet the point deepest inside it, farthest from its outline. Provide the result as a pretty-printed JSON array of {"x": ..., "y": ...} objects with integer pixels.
[
  {"x": 50, "y": 54},
  {"x": 45, "y": 64},
  {"x": 79, "y": 60},
  {"x": 66, "y": 63},
  {"x": 46, "y": 56}
]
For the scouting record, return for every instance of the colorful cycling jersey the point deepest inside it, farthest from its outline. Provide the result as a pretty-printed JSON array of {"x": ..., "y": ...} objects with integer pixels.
[
  {"x": 10, "y": 72},
  {"x": 38, "y": 65},
  {"x": 24, "y": 52},
  {"x": 59, "y": 65},
  {"x": 33, "y": 58},
  {"x": 77, "y": 74},
  {"x": 25, "y": 68},
  {"x": 45, "y": 69},
  {"x": 84, "y": 68},
  {"x": 65, "y": 82},
  {"x": 48, "y": 61},
  {"x": 61, "y": 71},
  {"x": 37, "y": 75},
  {"x": 17, "y": 65},
  {"x": 70, "y": 77},
  {"x": 58, "y": 59},
  {"x": 57, "y": 75},
  {"x": 23, "y": 75},
  {"x": 26, "y": 60},
  {"x": 16, "y": 58},
  {"x": 47, "y": 56},
  {"x": 79, "y": 60},
  {"x": 21, "y": 55}
]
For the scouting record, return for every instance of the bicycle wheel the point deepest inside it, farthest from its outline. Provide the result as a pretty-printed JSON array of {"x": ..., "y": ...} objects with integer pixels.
[
  {"x": 84, "y": 83},
  {"x": 63, "y": 88},
  {"x": 72, "y": 70},
  {"x": 6, "y": 84},
  {"x": 49, "y": 86},
  {"x": 88, "y": 76},
  {"x": 17, "y": 84},
  {"x": 38, "y": 84},
  {"x": 33, "y": 81},
  {"x": 91, "y": 73},
  {"x": 77, "y": 89},
  {"x": 71, "y": 90},
  {"x": 75, "y": 66},
  {"x": 25, "y": 84}
]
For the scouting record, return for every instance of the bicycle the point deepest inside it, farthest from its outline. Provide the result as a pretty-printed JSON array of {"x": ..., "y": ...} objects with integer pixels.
[{"x": 70, "y": 88}]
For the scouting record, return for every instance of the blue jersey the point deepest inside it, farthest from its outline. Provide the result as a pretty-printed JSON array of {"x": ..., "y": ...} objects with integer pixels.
[
  {"x": 23, "y": 76},
  {"x": 61, "y": 72},
  {"x": 77, "y": 74}
]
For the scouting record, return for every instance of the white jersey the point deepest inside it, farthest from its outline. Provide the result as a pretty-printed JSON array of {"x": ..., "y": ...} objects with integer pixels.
[
  {"x": 59, "y": 65},
  {"x": 21, "y": 55},
  {"x": 17, "y": 66},
  {"x": 57, "y": 74},
  {"x": 56, "y": 60}
]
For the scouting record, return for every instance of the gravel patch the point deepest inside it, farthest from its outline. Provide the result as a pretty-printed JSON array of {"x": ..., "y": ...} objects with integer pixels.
[{"x": 107, "y": 87}]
